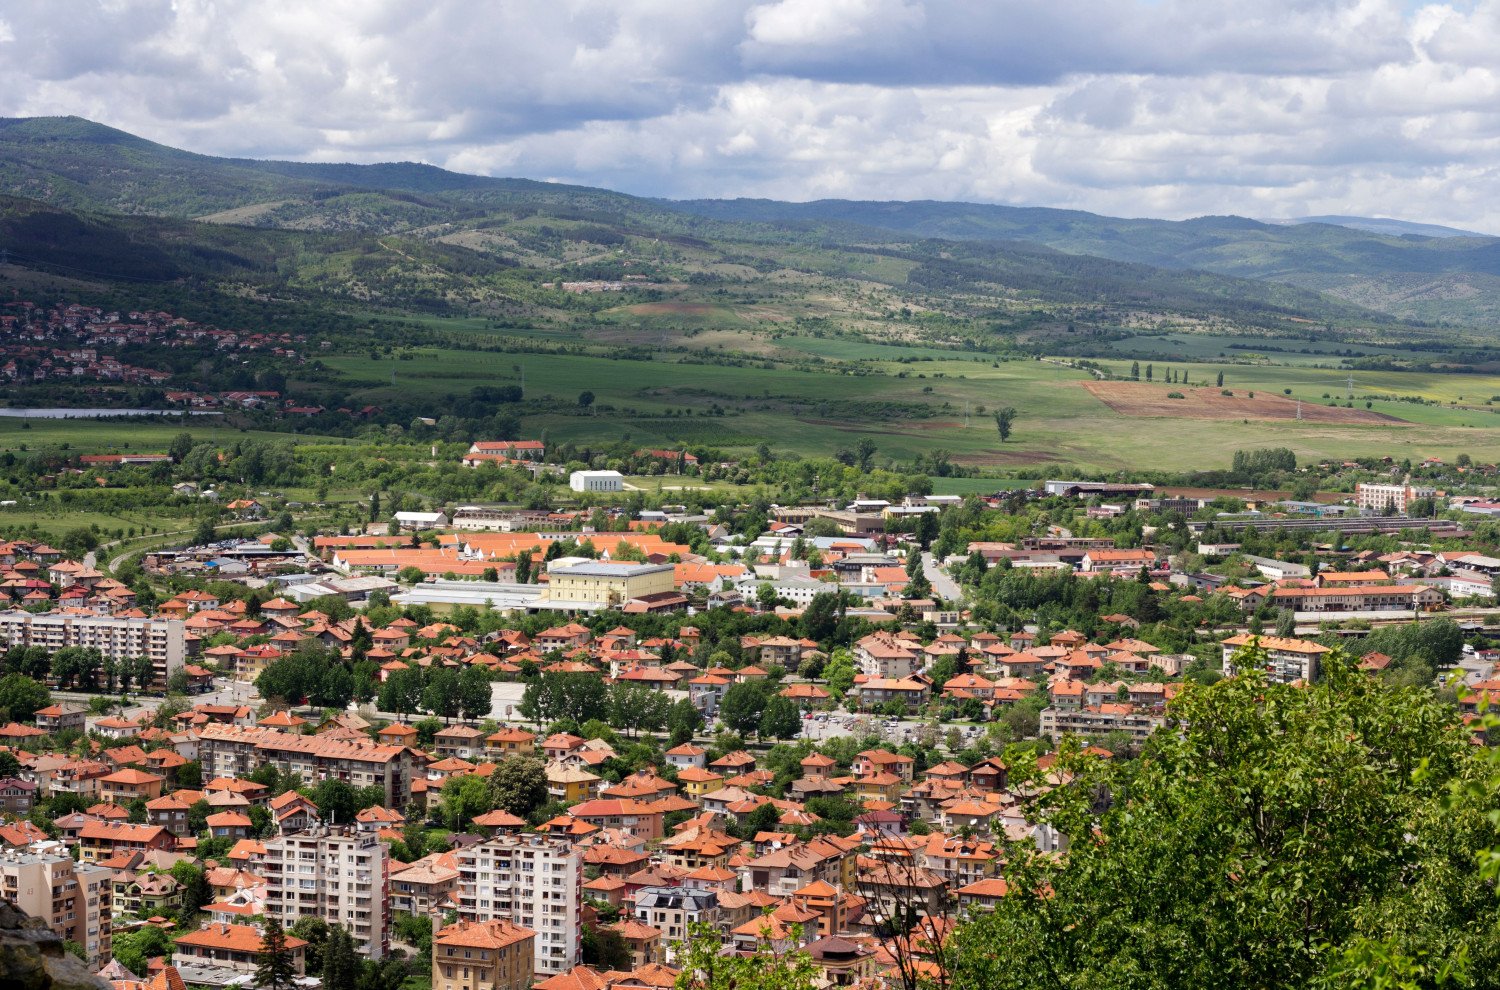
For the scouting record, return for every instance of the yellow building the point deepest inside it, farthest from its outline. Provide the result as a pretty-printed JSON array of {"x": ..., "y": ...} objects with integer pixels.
[
  {"x": 570, "y": 785},
  {"x": 879, "y": 786},
  {"x": 696, "y": 781},
  {"x": 510, "y": 742},
  {"x": 483, "y": 955},
  {"x": 606, "y": 582}
]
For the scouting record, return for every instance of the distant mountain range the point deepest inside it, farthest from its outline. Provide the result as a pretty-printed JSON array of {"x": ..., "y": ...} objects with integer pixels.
[
  {"x": 1436, "y": 279},
  {"x": 1414, "y": 272},
  {"x": 1385, "y": 225}
]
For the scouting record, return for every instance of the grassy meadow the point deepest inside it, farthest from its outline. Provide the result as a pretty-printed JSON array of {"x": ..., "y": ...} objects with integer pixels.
[{"x": 103, "y": 436}]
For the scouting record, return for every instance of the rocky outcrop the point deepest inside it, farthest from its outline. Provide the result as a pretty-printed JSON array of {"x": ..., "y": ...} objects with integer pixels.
[{"x": 32, "y": 956}]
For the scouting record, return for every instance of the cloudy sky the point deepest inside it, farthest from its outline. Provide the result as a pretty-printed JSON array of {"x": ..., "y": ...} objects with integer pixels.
[{"x": 1168, "y": 108}]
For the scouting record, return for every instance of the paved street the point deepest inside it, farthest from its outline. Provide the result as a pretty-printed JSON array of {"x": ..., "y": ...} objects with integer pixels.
[{"x": 942, "y": 585}]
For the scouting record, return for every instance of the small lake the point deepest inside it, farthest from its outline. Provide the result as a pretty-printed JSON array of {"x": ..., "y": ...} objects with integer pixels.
[{"x": 89, "y": 413}]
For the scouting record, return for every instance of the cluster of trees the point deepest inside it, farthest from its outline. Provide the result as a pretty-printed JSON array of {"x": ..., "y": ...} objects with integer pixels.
[
  {"x": 1418, "y": 650},
  {"x": 575, "y": 698},
  {"x": 518, "y": 786},
  {"x": 21, "y": 697},
  {"x": 445, "y": 691},
  {"x": 315, "y": 675},
  {"x": 1251, "y": 464},
  {"x": 81, "y": 668},
  {"x": 1320, "y": 836},
  {"x": 755, "y": 707},
  {"x": 1010, "y": 597}
]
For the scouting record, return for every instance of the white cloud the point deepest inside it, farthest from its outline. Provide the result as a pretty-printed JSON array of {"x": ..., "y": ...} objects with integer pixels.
[
  {"x": 1170, "y": 107},
  {"x": 824, "y": 22}
]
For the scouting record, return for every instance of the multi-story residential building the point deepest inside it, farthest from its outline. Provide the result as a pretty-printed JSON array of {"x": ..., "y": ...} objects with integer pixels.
[
  {"x": 100, "y": 839},
  {"x": 782, "y": 872},
  {"x": 61, "y": 717},
  {"x": 1360, "y": 598},
  {"x": 483, "y": 955},
  {"x": 1287, "y": 660},
  {"x": 672, "y": 909},
  {"x": 144, "y": 894},
  {"x": 17, "y": 797},
  {"x": 125, "y": 786},
  {"x": 73, "y": 899},
  {"x": 462, "y": 741},
  {"x": 170, "y": 811},
  {"x": 1376, "y": 497},
  {"x": 232, "y": 751},
  {"x": 117, "y": 638},
  {"x": 570, "y": 784},
  {"x": 911, "y": 692},
  {"x": 884, "y": 656},
  {"x": 424, "y": 887},
  {"x": 1097, "y": 721},
  {"x": 339, "y": 874},
  {"x": 530, "y": 880}
]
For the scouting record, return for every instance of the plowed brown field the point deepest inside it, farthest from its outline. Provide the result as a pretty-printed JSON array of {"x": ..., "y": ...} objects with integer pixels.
[{"x": 1147, "y": 399}]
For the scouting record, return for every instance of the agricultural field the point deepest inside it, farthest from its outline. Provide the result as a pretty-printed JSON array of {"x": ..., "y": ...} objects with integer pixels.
[
  {"x": 913, "y": 401},
  {"x": 1248, "y": 349},
  {"x": 99, "y": 436},
  {"x": 55, "y": 519},
  {"x": 1138, "y": 399}
]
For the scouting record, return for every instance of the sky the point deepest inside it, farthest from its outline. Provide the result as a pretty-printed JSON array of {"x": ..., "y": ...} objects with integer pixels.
[{"x": 1169, "y": 108}]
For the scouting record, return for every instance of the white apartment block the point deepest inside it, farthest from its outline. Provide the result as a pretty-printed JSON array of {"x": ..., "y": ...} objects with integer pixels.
[
  {"x": 116, "y": 638},
  {"x": 1094, "y": 722},
  {"x": 338, "y": 874},
  {"x": 533, "y": 881},
  {"x": 1397, "y": 498}
]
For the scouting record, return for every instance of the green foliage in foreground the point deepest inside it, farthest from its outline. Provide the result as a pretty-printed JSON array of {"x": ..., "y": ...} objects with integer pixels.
[
  {"x": 1282, "y": 837},
  {"x": 705, "y": 967}
]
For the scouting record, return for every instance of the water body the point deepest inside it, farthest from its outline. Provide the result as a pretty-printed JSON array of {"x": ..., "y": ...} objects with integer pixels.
[{"x": 99, "y": 413}]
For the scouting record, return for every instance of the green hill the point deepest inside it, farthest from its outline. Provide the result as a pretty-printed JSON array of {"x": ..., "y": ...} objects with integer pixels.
[
  {"x": 69, "y": 161},
  {"x": 412, "y": 235},
  {"x": 1447, "y": 278}
]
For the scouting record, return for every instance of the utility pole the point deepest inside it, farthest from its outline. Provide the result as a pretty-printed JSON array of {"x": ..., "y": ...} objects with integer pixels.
[
  {"x": 1351, "y": 388},
  {"x": 1299, "y": 410}
]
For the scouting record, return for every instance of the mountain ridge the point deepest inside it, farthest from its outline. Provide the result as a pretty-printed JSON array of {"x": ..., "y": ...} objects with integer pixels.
[
  {"x": 1383, "y": 225},
  {"x": 79, "y": 165}
]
